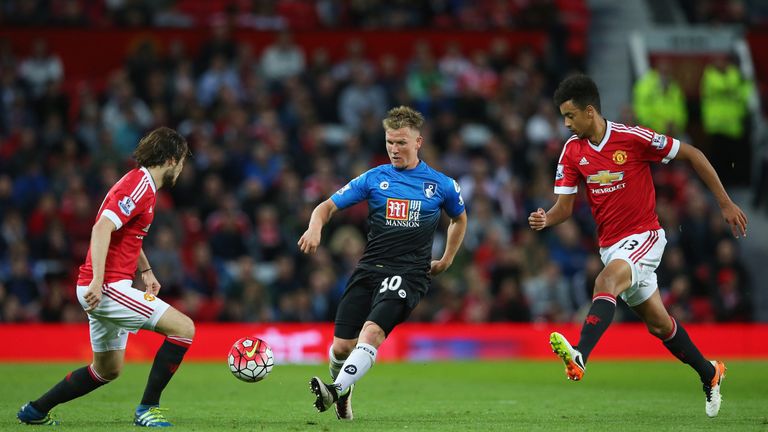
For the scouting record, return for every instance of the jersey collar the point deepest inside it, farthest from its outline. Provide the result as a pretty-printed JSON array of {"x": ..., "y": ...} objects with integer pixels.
[
  {"x": 151, "y": 180},
  {"x": 597, "y": 148}
]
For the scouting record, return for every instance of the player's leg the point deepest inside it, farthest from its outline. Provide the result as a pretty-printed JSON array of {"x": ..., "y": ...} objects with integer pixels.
[
  {"x": 615, "y": 278},
  {"x": 677, "y": 341},
  {"x": 338, "y": 353},
  {"x": 108, "y": 342},
  {"x": 351, "y": 314},
  {"x": 362, "y": 357},
  {"x": 179, "y": 331}
]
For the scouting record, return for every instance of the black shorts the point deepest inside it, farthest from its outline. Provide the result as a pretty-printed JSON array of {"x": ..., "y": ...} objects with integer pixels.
[{"x": 384, "y": 296}]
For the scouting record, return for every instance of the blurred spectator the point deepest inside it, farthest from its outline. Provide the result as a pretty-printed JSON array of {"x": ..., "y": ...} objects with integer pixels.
[
  {"x": 282, "y": 59},
  {"x": 725, "y": 97},
  {"x": 549, "y": 296},
  {"x": 730, "y": 287},
  {"x": 40, "y": 68},
  {"x": 361, "y": 98},
  {"x": 659, "y": 101}
]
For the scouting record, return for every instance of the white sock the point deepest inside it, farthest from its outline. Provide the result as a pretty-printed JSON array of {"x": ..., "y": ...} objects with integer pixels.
[
  {"x": 362, "y": 358},
  {"x": 334, "y": 364}
]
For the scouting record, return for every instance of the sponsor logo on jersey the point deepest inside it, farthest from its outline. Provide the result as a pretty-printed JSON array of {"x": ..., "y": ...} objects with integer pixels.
[
  {"x": 126, "y": 205},
  {"x": 457, "y": 188},
  {"x": 430, "y": 189},
  {"x": 403, "y": 212},
  {"x": 344, "y": 189},
  {"x": 384, "y": 185},
  {"x": 560, "y": 173},
  {"x": 619, "y": 157},
  {"x": 402, "y": 293},
  {"x": 605, "y": 177},
  {"x": 583, "y": 161},
  {"x": 659, "y": 141}
]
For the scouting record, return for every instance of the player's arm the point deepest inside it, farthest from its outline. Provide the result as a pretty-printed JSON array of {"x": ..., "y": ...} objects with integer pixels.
[
  {"x": 731, "y": 212},
  {"x": 309, "y": 242},
  {"x": 455, "y": 235},
  {"x": 151, "y": 285},
  {"x": 559, "y": 213},
  {"x": 101, "y": 235}
]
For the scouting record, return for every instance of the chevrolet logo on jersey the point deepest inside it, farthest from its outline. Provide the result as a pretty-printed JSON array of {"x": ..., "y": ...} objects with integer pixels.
[{"x": 605, "y": 177}]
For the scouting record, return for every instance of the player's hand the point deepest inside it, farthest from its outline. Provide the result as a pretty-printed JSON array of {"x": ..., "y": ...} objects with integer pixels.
[
  {"x": 152, "y": 286},
  {"x": 309, "y": 242},
  {"x": 438, "y": 266},
  {"x": 538, "y": 220},
  {"x": 92, "y": 296},
  {"x": 736, "y": 219}
]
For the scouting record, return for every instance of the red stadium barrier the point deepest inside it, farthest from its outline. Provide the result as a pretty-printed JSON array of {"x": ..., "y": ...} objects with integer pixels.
[
  {"x": 308, "y": 343},
  {"x": 94, "y": 53}
]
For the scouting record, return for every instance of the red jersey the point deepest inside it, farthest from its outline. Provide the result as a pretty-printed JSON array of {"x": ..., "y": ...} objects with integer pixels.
[
  {"x": 617, "y": 173},
  {"x": 129, "y": 205}
]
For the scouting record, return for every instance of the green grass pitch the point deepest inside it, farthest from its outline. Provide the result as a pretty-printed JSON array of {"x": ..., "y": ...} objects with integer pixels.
[{"x": 444, "y": 396}]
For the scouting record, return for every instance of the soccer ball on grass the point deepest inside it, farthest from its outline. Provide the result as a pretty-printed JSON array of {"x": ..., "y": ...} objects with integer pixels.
[{"x": 250, "y": 359}]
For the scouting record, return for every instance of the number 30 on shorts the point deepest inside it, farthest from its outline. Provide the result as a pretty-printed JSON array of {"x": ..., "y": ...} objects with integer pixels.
[{"x": 391, "y": 283}]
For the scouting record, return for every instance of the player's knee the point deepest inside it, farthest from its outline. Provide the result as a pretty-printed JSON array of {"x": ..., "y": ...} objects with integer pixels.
[
  {"x": 607, "y": 283},
  {"x": 186, "y": 328},
  {"x": 108, "y": 372},
  {"x": 343, "y": 348},
  {"x": 658, "y": 330},
  {"x": 372, "y": 334}
]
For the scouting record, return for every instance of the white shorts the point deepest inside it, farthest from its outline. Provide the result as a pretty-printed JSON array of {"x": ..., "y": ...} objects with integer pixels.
[
  {"x": 122, "y": 309},
  {"x": 643, "y": 254}
]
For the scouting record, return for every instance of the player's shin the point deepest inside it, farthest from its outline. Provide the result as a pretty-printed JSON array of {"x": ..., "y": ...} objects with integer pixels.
[
  {"x": 357, "y": 364},
  {"x": 334, "y": 364},
  {"x": 167, "y": 360},
  {"x": 77, "y": 383},
  {"x": 598, "y": 319},
  {"x": 680, "y": 345}
]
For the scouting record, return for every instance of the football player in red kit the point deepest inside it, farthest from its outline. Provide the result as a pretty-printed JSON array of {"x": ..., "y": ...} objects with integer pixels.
[
  {"x": 613, "y": 161},
  {"x": 104, "y": 287}
]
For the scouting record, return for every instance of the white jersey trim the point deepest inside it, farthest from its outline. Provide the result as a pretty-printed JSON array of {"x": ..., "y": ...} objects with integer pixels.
[
  {"x": 562, "y": 153},
  {"x": 566, "y": 190},
  {"x": 151, "y": 180},
  {"x": 608, "y": 128},
  {"x": 109, "y": 214},
  {"x": 672, "y": 151}
]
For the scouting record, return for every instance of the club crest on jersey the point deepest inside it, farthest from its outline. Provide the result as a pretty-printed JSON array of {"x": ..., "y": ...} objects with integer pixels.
[
  {"x": 619, "y": 157},
  {"x": 126, "y": 205},
  {"x": 430, "y": 189},
  {"x": 659, "y": 141}
]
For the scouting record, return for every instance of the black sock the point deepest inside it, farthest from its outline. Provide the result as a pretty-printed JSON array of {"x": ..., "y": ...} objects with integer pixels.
[
  {"x": 167, "y": 360},
  {"x": 75, "y": 384},
  {"x": 680, "y": 345},
  {"x": 598, "y": 319}
]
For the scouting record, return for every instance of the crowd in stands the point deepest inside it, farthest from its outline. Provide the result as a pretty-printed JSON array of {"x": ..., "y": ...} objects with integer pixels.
[{"x": 270, "y": 142}]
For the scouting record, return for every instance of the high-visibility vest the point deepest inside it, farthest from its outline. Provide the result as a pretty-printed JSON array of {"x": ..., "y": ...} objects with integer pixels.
[
  {"x": 657, "y": 107},
  {"x": 724, "y": 99}
]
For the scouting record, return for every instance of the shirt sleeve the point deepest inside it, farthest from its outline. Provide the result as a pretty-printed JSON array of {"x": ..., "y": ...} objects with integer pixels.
[
  {"x": 566, "y": 175},
  {"x": 123, "y": 204},
  {"x": 453, "y": 202},
  {"x": 656, "y": 147},
  {"x": 353, "y": 192}
]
